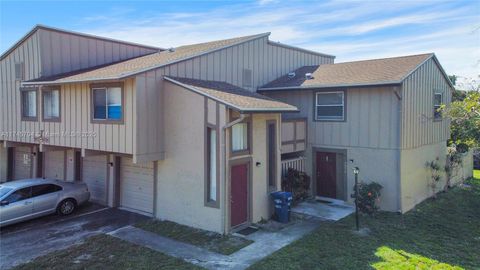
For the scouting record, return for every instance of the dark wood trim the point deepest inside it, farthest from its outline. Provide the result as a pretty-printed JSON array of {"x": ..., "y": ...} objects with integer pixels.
[
  {"x": 22, "y": 109},
  {"x": 314, "y": 119},
  {"x": 10, "y": 163},
  {"x": 155, "y": 187},
  {"x": 117, "y": 184},
  {"x": 231, "y": 163},
  {"x": 214, "y": 128},
  {"x": 267, "y": 140},
  {"x": 92, "y": 107},
  {"x": 77, "y": 166},
  {"x": 248, "y": 120},
  {"x": 40, "y": 161},
  {"x": 49, "y": 89}
]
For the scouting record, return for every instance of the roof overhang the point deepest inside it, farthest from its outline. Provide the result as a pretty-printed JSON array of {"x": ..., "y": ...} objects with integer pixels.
[
  {"x": 230, "y": 105},
  {"x": 320, "y": 86}
]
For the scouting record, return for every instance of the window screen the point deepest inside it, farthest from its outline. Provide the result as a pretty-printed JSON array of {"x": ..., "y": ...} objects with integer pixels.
[
  {"x": 329, "y": 106},
  {"x": 51, "y": 104},
  {"x": 29, "y": 103},
  {"x": 240, "y": 137}
]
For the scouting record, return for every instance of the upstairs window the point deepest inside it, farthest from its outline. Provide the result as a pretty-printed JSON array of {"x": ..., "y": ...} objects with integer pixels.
[
  {"x": 330, "y": 106},
  {"x": 107, "y": 104},
  {"x": 29, "y": 104},
  {"x": 51, "y": 104},
  {"x": 437, "y": 103},
  {"x": 19, "y": 71},
  {"x": 240, "y": 137}
]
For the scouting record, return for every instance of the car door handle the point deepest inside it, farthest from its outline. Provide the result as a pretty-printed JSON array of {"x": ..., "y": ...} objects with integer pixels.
[{"x": 27, "y": 203}]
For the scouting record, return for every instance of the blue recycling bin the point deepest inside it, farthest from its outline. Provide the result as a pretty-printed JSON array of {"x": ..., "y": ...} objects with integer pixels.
[{"x": 282, "y": 201}]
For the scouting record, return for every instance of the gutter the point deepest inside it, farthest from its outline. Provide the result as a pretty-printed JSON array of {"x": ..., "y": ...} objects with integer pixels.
[
  {"x": 224, "y": 166},
  {"x": 266, "y": 89}
]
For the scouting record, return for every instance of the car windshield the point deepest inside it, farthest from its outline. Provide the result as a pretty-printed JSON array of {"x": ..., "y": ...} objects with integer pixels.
[{"x": 4, "y": 190}]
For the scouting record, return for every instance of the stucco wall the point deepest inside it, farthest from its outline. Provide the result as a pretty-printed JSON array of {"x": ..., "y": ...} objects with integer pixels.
[
  {"x": 416, "y": 179},
  {"x": 465, "y": 170},
  {"x": 379, "y": 165},
  {"x": 261, "y": 207},
  {"x": 261, "y": 202},
  {"x": 180, "y": 189}
]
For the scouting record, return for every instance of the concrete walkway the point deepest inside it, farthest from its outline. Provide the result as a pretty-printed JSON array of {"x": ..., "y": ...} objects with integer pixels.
[
  {"x": 334, "y": 210},
  {"x": 265, "y": 243}
]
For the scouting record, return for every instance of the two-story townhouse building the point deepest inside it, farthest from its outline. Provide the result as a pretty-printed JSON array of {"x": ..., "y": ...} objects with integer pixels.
[
  {"x": 379, "y": 115},
  {"x": 178, "y": 134}
]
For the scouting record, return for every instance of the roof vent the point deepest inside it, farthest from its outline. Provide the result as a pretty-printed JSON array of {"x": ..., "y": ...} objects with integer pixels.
[
  {"x": 171, "y": 49},
  {"x": 291, "y": 75},
  {"x": 308, "y": 76}
]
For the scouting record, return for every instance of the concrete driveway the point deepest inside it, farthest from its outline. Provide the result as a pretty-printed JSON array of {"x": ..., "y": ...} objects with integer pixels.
[{"x": 24, "y": 241}]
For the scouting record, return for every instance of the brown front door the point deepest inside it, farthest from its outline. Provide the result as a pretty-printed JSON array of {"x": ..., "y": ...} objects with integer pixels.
[
  {"x": 326, "y": 175},
  {"x": 239, "y": 195}
]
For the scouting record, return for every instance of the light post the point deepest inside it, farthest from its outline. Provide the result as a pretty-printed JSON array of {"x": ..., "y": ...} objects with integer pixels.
[{"x": 356, "y": 170}]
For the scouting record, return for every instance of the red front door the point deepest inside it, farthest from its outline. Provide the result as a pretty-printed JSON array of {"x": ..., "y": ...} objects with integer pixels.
[
  {"x": 326, "y": 175},
  {"x": 239, "y": 195}
]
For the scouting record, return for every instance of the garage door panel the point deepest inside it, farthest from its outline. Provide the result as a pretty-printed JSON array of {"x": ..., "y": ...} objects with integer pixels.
[
  {"x": 136, "y": 189},
  {"x": 22, "y": 163},
  {"x": 94, "y": 174},
  {"x": 54, "y": 165}
]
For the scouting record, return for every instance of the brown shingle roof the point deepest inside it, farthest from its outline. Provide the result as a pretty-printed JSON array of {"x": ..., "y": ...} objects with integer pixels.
[
  {"x": 233, "y": 96},
  {"x": 367, "y": 72},
  {"x": 137, "y": 65}
]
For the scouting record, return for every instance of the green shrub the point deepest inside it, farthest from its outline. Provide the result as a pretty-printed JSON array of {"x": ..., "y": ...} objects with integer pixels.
[
  {"x": 298, "y": 183},
  {"x": 368, "y": 197}
]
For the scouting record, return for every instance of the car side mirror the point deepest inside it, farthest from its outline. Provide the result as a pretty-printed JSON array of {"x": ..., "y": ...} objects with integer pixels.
[{"x": 3, "y": 203}]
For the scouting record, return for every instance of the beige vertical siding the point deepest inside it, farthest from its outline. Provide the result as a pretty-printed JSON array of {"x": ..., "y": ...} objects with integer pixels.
[
  {"x": 64, "y": 52},
  {"x": 149, "y": 116},
  {"x": 76, "y": 130},
  {"x": 372, "y": 118},
  {"x": 10, "y": 117},
  {"x": 418, "y": 126},
  {"x": 266, "y": 60}
]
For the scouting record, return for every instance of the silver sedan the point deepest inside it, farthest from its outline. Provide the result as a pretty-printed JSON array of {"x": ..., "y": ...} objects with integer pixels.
[{"x": 30, "y": 198}]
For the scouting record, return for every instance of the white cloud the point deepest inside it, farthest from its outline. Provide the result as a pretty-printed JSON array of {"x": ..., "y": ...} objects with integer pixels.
[{"x": 351, "y": 30}]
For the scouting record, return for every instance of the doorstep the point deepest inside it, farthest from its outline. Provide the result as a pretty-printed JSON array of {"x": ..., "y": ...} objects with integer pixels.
[{"x": 326, "y": 210}]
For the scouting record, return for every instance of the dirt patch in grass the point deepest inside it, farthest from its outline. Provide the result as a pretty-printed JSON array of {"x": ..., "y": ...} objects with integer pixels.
[
  {"x": 224, "y": 244},
  {"x": 438, "y": 234},
  {"x": 106, "y": 252}
]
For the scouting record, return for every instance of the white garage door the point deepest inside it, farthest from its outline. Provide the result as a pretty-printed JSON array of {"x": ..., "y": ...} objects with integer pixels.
[
  {"x": 94, "y": 174},
  {"x": 22, "y": 163},
  {"x": 136, "y": 186},
  {"x": 54, "y": 165}
]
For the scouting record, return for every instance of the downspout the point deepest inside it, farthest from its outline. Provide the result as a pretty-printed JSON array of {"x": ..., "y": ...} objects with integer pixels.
[{"x": 224, "y": 166}]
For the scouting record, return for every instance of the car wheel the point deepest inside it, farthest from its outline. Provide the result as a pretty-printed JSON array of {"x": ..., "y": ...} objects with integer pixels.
[{"x": 66, "y": 207}]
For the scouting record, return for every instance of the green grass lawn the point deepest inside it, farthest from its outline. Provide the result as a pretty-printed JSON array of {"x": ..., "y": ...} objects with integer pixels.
[
  {"x": 224, "y": 244},
  {"x": 438, "y": 234},
  {"x": 106, "y": 252}
]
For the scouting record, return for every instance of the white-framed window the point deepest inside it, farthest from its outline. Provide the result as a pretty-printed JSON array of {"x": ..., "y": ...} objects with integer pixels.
[
  {"x": 330, "y": 106},
  {"x": 437, "y": 103},
  {"x": 211, "y": 165},
  {"x": 29, "y": 104},
  {"x": 51, "y": 104},
  {"x": 107, "y": 104},
  {"x": 240, "y": 137}
]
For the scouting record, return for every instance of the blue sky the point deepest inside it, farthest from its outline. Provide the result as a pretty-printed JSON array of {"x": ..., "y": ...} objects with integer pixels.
[{"x": 351, "y": 30}]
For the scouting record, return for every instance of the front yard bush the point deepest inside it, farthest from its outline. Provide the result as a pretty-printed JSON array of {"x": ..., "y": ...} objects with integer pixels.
[
  {"x": 368, "y": 197},
  {"x": 298, "y": 183}
]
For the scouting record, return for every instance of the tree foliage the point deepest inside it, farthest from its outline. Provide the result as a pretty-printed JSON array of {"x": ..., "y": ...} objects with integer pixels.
[{"x": 465, "y": 116}]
